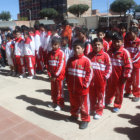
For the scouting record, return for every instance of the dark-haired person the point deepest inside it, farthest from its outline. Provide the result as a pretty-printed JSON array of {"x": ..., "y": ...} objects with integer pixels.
[
  {"x": 37, "y": 40},
  {"x": 83, "y": 36},
  {"x": 29, "y": 51},
  {"x": 78, "y": 76},
  {"x": 55, "y": 64},
  {"x": 102, "y": 68},
  {"x": 9, "y": 53},
  {"x": 19, "y": 55},
  {"x": 101, "y": 34},
  {"x": 132, "y": 45},
  {"x": 121, "y": 70}
]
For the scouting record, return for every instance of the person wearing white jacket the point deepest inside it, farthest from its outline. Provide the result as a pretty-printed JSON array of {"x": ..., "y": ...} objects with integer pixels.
[{"x": 29, "y": 51}]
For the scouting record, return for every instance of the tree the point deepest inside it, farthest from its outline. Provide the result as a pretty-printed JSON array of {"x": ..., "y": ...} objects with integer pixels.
[
  {"x": 78, "y": 9},
  {"x": 122, "y": 6},
  {"x": 48, "y": 12},
  {"x": 5, "y": 15}
]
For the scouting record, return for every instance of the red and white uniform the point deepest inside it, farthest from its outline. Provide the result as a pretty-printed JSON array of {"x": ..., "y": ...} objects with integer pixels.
[
  {"x": 105, "y": 45},
  {"x": 29, "y": 51},
  {"x": 78, "y": 76},
  {"x": 55, "y": 65},
  {"x": 88, "y": 48},
  {"x": 102, "y": 69},
  {"x": 39, "y": 63},
  {"x": 121, "y": 69},
  {"x": 19, "y": 55},
  {"x": 8, "y": 50},
  {"x": 133, "y": 48}
]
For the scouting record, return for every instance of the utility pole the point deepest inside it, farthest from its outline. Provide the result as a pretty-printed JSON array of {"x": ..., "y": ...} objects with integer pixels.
[
  {"x": 30, "y": 16},
  {"x": 107, "y": 13}
]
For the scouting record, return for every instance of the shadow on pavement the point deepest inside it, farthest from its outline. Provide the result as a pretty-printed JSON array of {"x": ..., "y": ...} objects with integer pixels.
[
  {"x": 138, "y": 107},
  {"x": 48, "y": 92},
  {"x": 132, "y": 133},
  {"x": 48, "y": 114},
  {"x": 4, "y": 72},
  {"x": 34, "y": 101},
  {"x": 41, "y": 78}
]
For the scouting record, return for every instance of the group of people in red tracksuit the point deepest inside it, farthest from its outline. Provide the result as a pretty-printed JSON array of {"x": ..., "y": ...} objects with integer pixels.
[
  {"x": 96, "y": 71},
  {"x": 96, "y": 76}
]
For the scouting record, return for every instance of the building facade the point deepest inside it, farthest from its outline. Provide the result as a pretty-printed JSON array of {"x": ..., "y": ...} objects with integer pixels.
[{"x": 31, "y": 8}]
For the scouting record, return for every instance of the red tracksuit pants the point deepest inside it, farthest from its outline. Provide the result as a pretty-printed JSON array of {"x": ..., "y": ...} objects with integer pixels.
[
  {"x": 30, "y": 63},
  {"x": 128, "y": 86},
  {"x": 80, "y": 104},
  {"x": 97, "y": 97},
  {"x": 57, "y": 94},
  {"x": 136, "y": 82},
  {"x": 19, "y": 64},
  {"x": 115, "y": 89},
  {"x": 39, "y": 60}
]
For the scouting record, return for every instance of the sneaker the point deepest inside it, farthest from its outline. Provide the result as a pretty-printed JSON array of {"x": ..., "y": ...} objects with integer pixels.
[
  {"x": 57, "y": 108},
  {"x": 83, "y": 125},
  {"x": 30, "y": 77},
  {"x": 96, "y": 117},
  {"x": 127, "y": 95},
  {"x": 71, "y": 119},
  {"x": 115, "y": 110},
  {"x": 22, "y": 75},
  {"x": 135, "y": 99}
]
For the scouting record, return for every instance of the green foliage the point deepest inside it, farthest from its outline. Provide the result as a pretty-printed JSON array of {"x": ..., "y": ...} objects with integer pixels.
[
  {"x": 122, "y": 6},
  {"x": 5, "y": 15},
  {"x": 78, "y": 9},
  {"x": 48, "y": 12}
]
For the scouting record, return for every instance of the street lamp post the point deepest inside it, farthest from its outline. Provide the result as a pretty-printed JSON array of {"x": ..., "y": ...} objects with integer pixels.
[
  {"x": 30, "y": 16},
  {"x": 107, "y": 13}
]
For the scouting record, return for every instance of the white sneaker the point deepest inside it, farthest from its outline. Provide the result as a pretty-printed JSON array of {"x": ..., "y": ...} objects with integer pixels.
[
  {"x": 57, "y": 108},
  {"x": 30, "y": 77},
  {"x": 22, "y": 75},
  {"x": 97, "y": 117}
]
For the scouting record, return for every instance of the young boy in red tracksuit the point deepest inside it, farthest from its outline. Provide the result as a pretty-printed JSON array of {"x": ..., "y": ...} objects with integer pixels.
[
  {"x": 78, "y": 76},
  {"x": 102, "y": 69},
  {"x": 29, "y": 51},
  {"x": 19, "y": 55},
  {"x": 121, "y": 70},
  {"x": 101, "y": 34},
  {"x": 133, "y": 47},
  {"x": 55, "y": 64}
]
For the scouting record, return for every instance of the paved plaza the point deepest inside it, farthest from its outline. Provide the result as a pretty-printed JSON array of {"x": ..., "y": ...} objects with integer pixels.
[{"x": 24, "y": 115}]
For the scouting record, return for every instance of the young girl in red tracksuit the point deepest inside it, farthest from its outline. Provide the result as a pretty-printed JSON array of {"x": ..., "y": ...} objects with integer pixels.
[
  {"x": 121, "y": 70},
  {"x": 29, "y": 52},
  {"x": 55, "y": 64},
  {"x": 19, "y": 55},
  {"x": 102, "y": 68},
  {"x": 132, "y": 45},
  {"x": 78, "y": 76}
]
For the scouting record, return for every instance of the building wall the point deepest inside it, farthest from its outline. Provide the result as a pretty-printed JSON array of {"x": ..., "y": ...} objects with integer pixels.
[{"x": 88, "y": 2}]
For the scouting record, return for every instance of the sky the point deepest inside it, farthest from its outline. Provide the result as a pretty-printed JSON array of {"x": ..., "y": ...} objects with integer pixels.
[{"x": 13, "y": 6}]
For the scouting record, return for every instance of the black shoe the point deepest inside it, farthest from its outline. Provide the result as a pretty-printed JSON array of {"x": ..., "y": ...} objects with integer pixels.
[
  {"x": 71, "y": 119},
  {"x": 83, "y": 125},
  {"x": 127, "y": 95},
  {"x": 136, "y": 99}
]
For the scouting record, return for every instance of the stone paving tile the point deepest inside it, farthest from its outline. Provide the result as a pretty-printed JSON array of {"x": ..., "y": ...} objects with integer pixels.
[{"x": 13, "y": 127}]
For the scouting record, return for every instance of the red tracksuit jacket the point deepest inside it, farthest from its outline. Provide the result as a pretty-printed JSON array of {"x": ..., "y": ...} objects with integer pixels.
[
  {"x": 121, "y": 63},
  {"x": 88, "y": 48},
  {"x": 79, "y": 74},
  {"x": 55, "y": 64},
  {"x": 133, "y": 48},
  {"x": 101, "y": 65}
]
